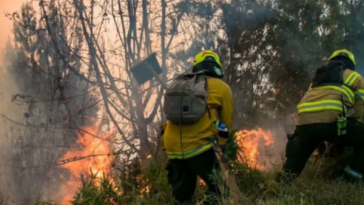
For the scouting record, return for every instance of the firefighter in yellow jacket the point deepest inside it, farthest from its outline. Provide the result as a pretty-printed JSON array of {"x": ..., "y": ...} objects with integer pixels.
[
  {"x": 329, "y": 111},
  {"x": 192, "y": 156}
]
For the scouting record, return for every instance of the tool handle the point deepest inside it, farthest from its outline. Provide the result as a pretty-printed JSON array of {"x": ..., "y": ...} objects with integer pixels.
[
  {"x": 234, "y": 190},
  {"x": 163, "y": 84}
]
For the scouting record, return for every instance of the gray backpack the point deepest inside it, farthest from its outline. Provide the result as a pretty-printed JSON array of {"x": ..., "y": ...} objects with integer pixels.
[{"x": 185, "y": 100}]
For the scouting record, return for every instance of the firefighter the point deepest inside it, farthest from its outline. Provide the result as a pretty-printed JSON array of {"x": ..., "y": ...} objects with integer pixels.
[
  {"x": 192, "y": 156},
  {"x": 329, "y": 112}
]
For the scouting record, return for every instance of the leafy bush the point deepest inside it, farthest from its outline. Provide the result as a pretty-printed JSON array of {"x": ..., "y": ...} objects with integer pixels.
[{"x": 260, "y": 187}]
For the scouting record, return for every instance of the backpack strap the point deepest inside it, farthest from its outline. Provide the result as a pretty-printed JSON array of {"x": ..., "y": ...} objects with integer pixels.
[
  {"x": 206, "y": 89},
  {"x": 342, "y": 75},
  {"x": 331, "y": 65},
  {"x": 207, "y": 95},
  {"x": 342, "y": 68}
]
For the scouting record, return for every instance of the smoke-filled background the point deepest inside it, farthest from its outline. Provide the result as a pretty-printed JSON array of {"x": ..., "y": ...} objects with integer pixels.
[{"x": 69, "y": 104}]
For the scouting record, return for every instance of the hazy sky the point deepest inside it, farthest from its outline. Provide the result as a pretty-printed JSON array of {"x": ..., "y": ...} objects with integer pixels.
[{"x": 7, "y": 6}]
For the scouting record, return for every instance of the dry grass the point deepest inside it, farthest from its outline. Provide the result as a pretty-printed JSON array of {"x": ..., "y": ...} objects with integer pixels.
[
  {"x": 318, "y": 185},
  {"x": 311, "y": 188}
]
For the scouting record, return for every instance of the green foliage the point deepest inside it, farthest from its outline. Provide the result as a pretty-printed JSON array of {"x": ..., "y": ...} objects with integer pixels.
[
  {"x": 134, "y": 186},
  {"x": 232, "y": 147},
  {"x": 129, "y": 174},
  {"x": 96, "y": 191},
  {"x": 259, "y": 187},
  {"x": 312, "y": 188}
]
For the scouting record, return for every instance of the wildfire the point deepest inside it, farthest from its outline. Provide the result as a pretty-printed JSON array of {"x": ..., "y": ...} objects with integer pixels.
[
  {"x": 95, "y": 157},
  {"x": 253, "y": 143}
]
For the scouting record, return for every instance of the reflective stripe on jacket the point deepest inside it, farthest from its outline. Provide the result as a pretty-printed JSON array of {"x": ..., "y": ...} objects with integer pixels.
[
  {"x": 328, "y": 104},
  {"x": 324, "y": 103},
  {"x": 189, "y": 153},
  {"x": 359, "y": 94},
  {"x": 320, "y": 106},
  {"x": 343, "y": 89},
  {"x": 351, "y": 78}
]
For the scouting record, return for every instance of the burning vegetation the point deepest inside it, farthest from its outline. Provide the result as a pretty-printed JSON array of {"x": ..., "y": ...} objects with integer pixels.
[
  {"x": 95, "y": 156},
  {"x": 256, "y": 147}
]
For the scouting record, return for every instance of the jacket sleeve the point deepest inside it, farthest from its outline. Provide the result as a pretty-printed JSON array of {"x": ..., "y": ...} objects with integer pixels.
[
  {"x": 226, "y": 111},
  {"x": 358, "y": 86}
]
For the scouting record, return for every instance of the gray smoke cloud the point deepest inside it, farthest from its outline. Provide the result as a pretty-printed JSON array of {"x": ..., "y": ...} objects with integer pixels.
[{"x": 42, "y": 107}]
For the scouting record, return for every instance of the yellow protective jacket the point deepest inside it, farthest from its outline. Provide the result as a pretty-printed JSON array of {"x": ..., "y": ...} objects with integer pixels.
[
  {"x": 195, "y": 138},
  {"x": 323, "y": 104}
]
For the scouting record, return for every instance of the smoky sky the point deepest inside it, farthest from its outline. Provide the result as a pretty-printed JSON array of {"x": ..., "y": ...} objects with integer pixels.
[{"x": 7, "y": 6}]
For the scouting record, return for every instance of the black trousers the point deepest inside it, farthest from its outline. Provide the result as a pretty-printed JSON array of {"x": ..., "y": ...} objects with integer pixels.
[
  {"x": 308, "y": 137},
  {"x": 182, "y": 176}
]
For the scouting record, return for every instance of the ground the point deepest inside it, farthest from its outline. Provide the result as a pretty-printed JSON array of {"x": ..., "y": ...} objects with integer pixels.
[{"x": 313, "y": 187}]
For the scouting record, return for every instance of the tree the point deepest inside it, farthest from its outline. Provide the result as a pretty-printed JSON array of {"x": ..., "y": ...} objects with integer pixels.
[
  {"x": 122, "y": 97},
  {"x": 54, "y": 102}
]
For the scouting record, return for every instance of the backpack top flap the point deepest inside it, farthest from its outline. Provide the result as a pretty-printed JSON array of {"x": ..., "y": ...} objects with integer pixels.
[
  {"x": 185, "y": 100},
  {"x": 330, "y": 74}
]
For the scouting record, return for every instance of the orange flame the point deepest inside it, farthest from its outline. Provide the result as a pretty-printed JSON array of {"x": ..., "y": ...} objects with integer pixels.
[
  {"x": 94, "y": 156},
  {"x": 276, "y": 92},
  {"x": 253, "y": 143}
]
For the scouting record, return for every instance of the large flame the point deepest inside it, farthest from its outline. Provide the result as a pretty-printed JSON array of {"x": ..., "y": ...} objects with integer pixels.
[
  {"x": 253, "y": 144},
  {"x": 93, "y": 155}
]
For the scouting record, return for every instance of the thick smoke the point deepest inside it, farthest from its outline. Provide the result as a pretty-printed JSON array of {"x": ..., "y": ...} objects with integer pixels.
[
  {"x": 9, "y": 132},
  {"x": 42, "y": 106}
]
